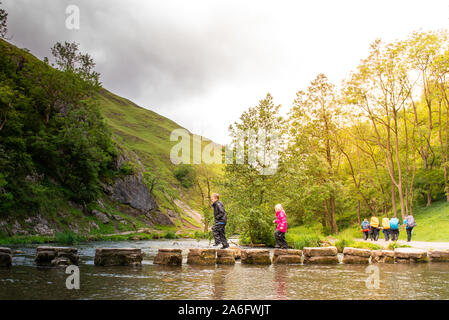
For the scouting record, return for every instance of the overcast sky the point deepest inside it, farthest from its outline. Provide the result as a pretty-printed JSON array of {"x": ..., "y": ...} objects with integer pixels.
[{"x": 202, "y": 63}]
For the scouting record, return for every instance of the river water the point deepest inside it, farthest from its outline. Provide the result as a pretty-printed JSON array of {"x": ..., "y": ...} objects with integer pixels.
[{"x": 399, "y": 281}]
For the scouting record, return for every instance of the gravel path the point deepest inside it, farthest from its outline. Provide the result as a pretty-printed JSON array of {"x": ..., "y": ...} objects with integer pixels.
[{"x": 414, "y": 244}]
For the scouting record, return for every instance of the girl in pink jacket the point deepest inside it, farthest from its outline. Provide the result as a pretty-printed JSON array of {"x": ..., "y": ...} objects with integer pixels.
[{"x": 281, "y": 220}]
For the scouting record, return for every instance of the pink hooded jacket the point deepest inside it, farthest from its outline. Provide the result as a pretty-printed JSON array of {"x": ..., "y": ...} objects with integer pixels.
[{"x": 281, "y": 220}]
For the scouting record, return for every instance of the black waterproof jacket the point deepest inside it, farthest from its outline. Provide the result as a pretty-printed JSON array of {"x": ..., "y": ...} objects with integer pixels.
[{"x": 219, "y": 212}]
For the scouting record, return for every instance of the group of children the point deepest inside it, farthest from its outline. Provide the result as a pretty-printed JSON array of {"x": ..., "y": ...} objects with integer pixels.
[{"x": 390, "y": 228}]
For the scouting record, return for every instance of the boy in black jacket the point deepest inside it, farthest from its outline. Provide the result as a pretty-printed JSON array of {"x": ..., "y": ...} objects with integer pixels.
[{"x": 220, "y": 221}]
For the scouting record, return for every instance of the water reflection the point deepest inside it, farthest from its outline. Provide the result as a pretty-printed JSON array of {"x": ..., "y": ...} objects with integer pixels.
[{"x": 280, "y": 281}]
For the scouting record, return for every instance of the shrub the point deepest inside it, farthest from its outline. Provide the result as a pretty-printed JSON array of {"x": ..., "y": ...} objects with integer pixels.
[
  {"x": 67, "y": 237},
  {"x": 170, "y": 235},
  {"x": 395, "y": 245},
  {"x": 342, "y": 243},
  {"x": 185, "y": 174}
]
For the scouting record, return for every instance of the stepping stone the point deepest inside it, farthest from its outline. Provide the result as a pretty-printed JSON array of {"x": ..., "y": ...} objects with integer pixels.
[
  {"x": 118, "y": 257},
  {"x": 205, "y": 257},
  {"x": 5, "y": 257},
  {"x": 382, "y": 256},
  {"x": 286, "y": 256},
  {"x": 410, "y": 255},
  {"x": 56, "y": 256},
  {"x": 237, "y": 252},
  {"x": 356, "y": 256},
  {"x": 225, "y": 256},
  {"x": 320, "y": 255},
  {"x": 256, "y": 256},
  {"x": 170, "y": 257},
  {"x": 439, "y": 255}
]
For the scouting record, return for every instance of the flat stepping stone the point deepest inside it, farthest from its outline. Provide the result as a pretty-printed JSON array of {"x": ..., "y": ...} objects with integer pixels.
[
  {"x": 320, "y": 255},
  {"x": 169, "y": 257},
  {"x": 56, "y": 256},
  {"x": 287, "y": 256},
  {"x": 438, "y": 255},
  {"x": 5, "y": 257},
  {"x": 356, "y": 255},
  {"x": 203, "y": 257},
  {"x": 237, "y": 252},
  {"x": 256, "y": 256},
  {"x": 320, "y": 251},
  {"x": 118, "y": 257},
  {"x": 225, "y": 256},
  {"x": 382, "y": 256},
  {"x": 410, "y": 255}
]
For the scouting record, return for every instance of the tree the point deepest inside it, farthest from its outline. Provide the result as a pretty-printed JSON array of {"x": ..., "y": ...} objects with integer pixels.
[
  {"x": 249, "y": 192},
  {"x": 380, "y": 90},
  {"x": 317, "y": 113}
]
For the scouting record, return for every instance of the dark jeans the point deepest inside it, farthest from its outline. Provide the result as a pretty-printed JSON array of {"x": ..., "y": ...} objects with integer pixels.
[
  {"x": 386, "y": 234},
  {"x": 409, "y": 234},
  {"x": 374, "y": 233},
  {"x": 365, "y": 235},
  {"x": 280, "y": 239},
  {"x": 394, "y": 234},
  {"x": 219, "y": 234}
]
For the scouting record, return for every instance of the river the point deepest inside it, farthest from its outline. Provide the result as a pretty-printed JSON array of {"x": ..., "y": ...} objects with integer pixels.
[{"x": 399, "y": 281}]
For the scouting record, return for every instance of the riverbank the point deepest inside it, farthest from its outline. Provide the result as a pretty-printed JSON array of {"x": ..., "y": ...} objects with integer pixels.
[{"x": 68, "y": 238}]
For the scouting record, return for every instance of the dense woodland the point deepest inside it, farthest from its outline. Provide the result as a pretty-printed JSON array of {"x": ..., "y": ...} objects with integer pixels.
[{"x": 375, "y": 145}]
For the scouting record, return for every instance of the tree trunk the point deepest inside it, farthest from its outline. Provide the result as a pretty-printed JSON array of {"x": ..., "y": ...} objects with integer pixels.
[
  {"x": 334, "y": 229},
  {"x": 358, "y": 213}
]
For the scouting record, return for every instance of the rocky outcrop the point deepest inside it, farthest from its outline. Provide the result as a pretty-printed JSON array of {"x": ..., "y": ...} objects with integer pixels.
[
  {"x": 132, "y": 191},
  {"x": 255, "y": 256},
  {"x": 225, "y": 256},
  {"x": 157, "y": 217},
  {"x": 356, "y": 256},
  {"x": 101, "y": 216},
  {"x": 202, "y": 256},
  {"x": 286, "y": 256},
  {"x": 439, "y": 255},
  {"x": 169, "y": 257},
  {"x": 5, "y": 257},
  {"x": 118, "y": 257},
  {"x": 56, "y": 256},
  {"x": 410, "y": 255},
  {"x": 382, "y": 256},
  {"x": 320, "y": 255}
]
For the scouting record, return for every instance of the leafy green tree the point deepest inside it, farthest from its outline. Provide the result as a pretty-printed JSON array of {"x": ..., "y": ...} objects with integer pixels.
[{"x": 249, "y": 195}]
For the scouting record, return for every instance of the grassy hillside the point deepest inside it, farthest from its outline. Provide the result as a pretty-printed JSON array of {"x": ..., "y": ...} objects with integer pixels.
[
  {"x": 148, "y": 135},
  {"x": 432, "y": 223}
]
